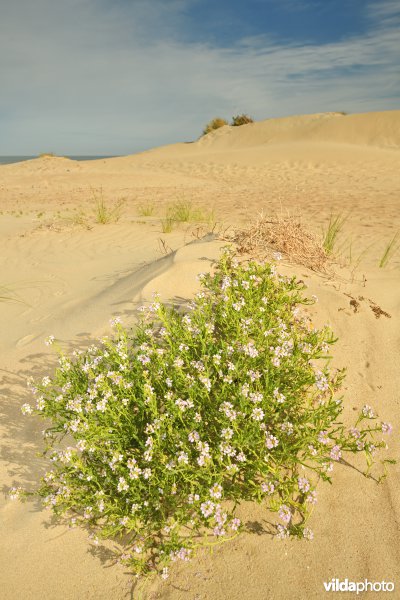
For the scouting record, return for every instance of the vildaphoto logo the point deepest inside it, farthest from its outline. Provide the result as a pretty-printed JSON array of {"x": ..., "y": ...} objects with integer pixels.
[{"x": 337, "y": 585}]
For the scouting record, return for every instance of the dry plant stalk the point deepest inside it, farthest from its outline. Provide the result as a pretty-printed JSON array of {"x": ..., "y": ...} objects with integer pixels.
[{"x": 285, "y": 235}]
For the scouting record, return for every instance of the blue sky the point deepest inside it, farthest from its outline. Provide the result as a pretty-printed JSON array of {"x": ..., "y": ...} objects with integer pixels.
[{"x": 120, "y": 76}]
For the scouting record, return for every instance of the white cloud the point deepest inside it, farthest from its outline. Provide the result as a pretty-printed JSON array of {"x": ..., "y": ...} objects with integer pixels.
[{"x": 86, "y": 76}]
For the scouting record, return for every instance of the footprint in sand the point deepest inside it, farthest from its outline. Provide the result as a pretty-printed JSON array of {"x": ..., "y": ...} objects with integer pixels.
[
  {"x": 26, "y": 340},
  {"x": 41, "y": 318}
]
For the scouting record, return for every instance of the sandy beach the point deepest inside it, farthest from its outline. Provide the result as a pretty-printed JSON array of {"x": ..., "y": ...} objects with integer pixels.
[{"x": 67, "y": 275}]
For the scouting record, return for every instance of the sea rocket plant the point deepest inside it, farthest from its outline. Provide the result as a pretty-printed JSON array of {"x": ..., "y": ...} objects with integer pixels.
[{"x": 169, "y": 427}]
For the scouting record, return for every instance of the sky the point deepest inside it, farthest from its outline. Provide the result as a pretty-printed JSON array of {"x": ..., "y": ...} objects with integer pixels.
[{"x": 106, "y": 77}]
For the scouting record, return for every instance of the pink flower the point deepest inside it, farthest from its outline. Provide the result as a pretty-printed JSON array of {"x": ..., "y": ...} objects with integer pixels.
[
  {"x": 311, "y": 498},
  {"x": 285, "y": 513},
  {"x": 335, "y": 453},
  {"x": 235, "y": 524},
  {"x": 267, "y": 488},
  {"x": 387, "y": 428},
  {"x": 304, "y": 484}
]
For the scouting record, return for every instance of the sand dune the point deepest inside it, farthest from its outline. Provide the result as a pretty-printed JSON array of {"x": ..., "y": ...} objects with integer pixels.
[
  {"x": 71, "y": 279},
  {"x": 381, "y": 129}
]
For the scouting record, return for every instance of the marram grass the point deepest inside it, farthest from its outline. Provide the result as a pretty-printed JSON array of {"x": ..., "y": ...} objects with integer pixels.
[{"x": 158, "y": 434}]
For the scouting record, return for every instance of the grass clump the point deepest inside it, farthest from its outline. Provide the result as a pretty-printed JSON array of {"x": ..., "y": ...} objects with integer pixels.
[
  {"x": 183, "y": 211},
  {"x": 214, "y": 124},
  {"x": 241, "y": 120},
  {"x": 390, "y": 250},
  {"x": 334, "y": 228},
  {"x": 103, "y": 213},
  {"x": 171, "y": 426},
  {"x": 146, "y": 209},
  {"x": 167, "y": 224}
]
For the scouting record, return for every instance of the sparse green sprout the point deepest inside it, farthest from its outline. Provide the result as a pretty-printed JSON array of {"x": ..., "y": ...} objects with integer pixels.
[
  {"x": 78, "y": 217},
  {"x": 241, "y": 120},
  {"x": 103, "y": 213},
  {"x": 214, "y": 124},
  {"x": 390, "y": 250}
]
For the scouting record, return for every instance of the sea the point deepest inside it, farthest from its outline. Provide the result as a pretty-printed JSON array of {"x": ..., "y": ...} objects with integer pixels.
[{"x": 7, "y": 160}]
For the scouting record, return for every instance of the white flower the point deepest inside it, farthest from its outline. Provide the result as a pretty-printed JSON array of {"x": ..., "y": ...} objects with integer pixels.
[
  {"x": 216, "y": 491},
  {"x": 207, "y": 508},
  {"x": 193, "y": 498},
  {"x": 241, "y": 457},
  {"x": 146, "y": 473},
  {"x": 183, "y": 458},
  {"x": 257, "y": 414},
  {"x": 193, "y": 437},
  {"x": 280, "y": 398},
  {"x": 227, "y": 433},
  {"x": 206, "y": 382},
  {"x": 227, "y": 408},
  {"x": 216, "y": 359},
  {"x": 26, "y": 409},
  {"x": 87, "y": 513},
  {"x": 115, "y": 321},
  {"x": 122, "y": 485},
  {"x": 14, "y": 493},
  {"x": 256, "y": 397},
  {"x": 48, "y": 341},
  {"x": 250, "y": 350},
  {"x": 368, "y": 412},
  {"x": 270, "y": 440}
]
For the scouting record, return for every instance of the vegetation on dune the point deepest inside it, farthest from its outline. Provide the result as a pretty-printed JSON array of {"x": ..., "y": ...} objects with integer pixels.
[
  {"x": 156, "y": 435},
  {"x": 332, "y": 232},
  {"x": 241, "y": 120},
  {"x": 214, "y": 124},
  {"x": 390, "y": 250}
]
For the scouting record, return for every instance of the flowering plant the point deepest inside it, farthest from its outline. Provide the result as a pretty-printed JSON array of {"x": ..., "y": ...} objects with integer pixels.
[{"x": 158, "y": 434}]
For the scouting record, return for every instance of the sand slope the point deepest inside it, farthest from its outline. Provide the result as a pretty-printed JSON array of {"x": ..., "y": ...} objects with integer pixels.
[
  {"x": 71, "y": 280},
  {"x": 381, "y": 129}
]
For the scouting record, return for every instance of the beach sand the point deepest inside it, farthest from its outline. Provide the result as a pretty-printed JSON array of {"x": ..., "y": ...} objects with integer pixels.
[{"x": 71, "y": 275}]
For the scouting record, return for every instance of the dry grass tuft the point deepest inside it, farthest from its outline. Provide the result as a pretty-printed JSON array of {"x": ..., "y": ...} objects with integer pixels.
[{"x": 285, "y": 235}]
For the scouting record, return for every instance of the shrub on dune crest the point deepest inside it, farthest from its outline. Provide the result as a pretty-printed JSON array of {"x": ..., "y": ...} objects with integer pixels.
[
  {"x": 241, "y": 120},
  {"x": 169, "y": 428},
  {"x": 214, "y": 124}
]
